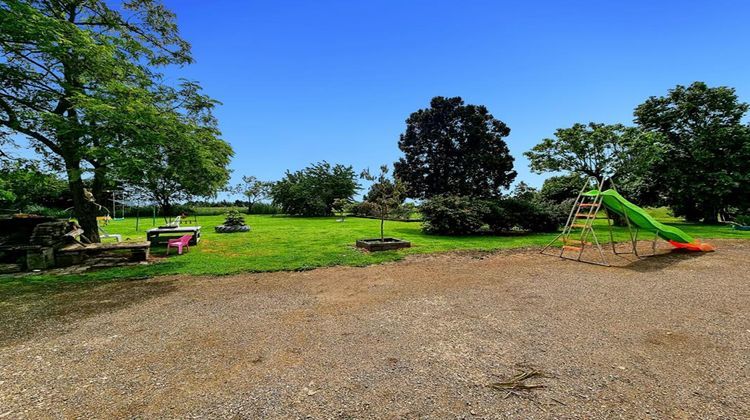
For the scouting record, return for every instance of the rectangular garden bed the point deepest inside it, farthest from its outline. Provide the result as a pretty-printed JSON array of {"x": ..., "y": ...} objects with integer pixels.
[{"x": 385, "y": 244}]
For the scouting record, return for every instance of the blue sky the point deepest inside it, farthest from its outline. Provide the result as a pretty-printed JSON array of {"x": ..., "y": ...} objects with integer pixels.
[{"x": 303, "y": 81}]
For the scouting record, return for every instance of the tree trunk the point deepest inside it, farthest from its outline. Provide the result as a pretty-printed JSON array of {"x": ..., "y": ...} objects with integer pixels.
[
  {"x": 166, "y": 211},
  {"x": 98, "y": 187},
  {"x": 382, "y": 234},
  {"x": 84, "y": 210},
  {"x": 249, "y": 207},
  {"x": 693, "y": 216},
  {"x": 710, "y": 215},
  {"x": 691, "y": 212}
]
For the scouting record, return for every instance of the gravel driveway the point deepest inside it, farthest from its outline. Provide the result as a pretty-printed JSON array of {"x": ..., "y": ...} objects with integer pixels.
[{"x": 664, "y": 337}]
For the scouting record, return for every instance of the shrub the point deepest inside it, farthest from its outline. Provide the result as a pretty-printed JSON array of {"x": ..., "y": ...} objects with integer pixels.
[
  {"x": 234, "y": 219},
  {"x": 529, "y": 215},
  {"x": 545, "y": 216},
  {"x": 264, "y": 208},
  {"x": 46, "y": 211},
  {"x": 560, "y": 188},
  {"x": 743, "y": 219},
  {"x": 233, "y": 222},
  {"x": 453, "y": 215},
  {"x": 362, "y": 209},
  {"x": 504, "y": 215}
]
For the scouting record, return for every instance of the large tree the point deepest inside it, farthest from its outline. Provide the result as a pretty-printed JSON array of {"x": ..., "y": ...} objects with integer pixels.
[
  {"x": 593, "y": 149},
  {"x": 67, "y": 63},
  {"x": 454, "y": 148},
  {"x": 254, "y": 190},
  {"x": 703, "y": 166},
  {"x": 313, "y": 190},
  {"x": 178, "y": 156},
  {"x": 601, "y": 151}
]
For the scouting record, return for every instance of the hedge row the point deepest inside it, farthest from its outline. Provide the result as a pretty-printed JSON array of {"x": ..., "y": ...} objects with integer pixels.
[{"x": 457, "y": 215}]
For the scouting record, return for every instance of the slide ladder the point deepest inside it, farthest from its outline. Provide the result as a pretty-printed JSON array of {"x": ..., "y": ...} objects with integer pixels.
[{"x": 578, "y": 232}]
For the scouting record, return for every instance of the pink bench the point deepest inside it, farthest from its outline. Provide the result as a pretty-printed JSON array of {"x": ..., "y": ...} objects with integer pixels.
[{"x": 178, "y": 243}]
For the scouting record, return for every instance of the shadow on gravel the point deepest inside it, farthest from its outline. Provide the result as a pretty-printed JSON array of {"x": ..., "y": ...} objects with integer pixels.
[
  {"x": 28, "y": 309},
  {"x": 661, "y": 261}
]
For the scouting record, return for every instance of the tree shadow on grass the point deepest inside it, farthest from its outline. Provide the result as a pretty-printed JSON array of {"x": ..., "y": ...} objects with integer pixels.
[{"x": 28, "y": 309}]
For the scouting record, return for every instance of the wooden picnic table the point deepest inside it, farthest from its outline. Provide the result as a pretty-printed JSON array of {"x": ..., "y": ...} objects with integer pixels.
[{"x": 160, "y": 235}]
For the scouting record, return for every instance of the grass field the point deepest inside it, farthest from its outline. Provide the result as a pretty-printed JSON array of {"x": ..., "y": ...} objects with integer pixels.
[{"x": 293, "y": 243}]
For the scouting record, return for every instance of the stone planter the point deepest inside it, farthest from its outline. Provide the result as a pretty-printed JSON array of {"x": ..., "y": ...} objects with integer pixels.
[
  {"x": 386, "y": 244},
  {"x": 231, "y": 229}
]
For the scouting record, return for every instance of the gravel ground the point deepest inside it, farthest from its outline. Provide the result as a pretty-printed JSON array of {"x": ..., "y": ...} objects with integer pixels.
[{"x": 663, "y": 337}]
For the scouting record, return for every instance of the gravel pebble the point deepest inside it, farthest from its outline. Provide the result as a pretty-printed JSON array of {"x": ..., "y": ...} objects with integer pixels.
[{"x": 662, "y": 337}]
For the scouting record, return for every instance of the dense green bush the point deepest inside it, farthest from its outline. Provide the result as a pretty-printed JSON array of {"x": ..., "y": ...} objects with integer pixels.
[
  {"x": 743, "y": 219},
  {"x": 561, "y": 188},
  {"x": 234, "y": 218},
  {"x": 362, "y": 209},
  {"x": 201, "y": 210},
  {"x": 545, "y": 216},
  {"x": 46, "y": 211},
  {"x": 264, "y": 208},
  {"x": 505, "y": 214},
  {"x": 26, "y": 187},
  {"x": 530, "y": 215},
  {"x": 454, "y": 215}
]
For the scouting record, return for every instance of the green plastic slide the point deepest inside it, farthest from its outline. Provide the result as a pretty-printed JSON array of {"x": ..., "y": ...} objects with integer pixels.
[{"x": 616, "y": 203}]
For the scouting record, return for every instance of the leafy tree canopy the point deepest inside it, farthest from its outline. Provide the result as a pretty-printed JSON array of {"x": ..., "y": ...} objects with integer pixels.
[
  {"x": 23, "y": 183},
  {"x": 79, "y": 78},
  {"x": 453, "y": 148},
  {"x": 703, "y": 164},
  {"x": 313, "y": 190},
  {"x": 558, "y": 189},
  {"x": 525, "y": 192},
  {"x": 602, "y": 151},
  {"x": 593, "y": 149},
  {"x": 177, "y": 154},
  {"x": 254, "y": 190},
  {"x": 194, "y": 165}
]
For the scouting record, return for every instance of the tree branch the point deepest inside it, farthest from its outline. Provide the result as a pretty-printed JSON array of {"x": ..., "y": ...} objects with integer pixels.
[
  {"x": 24, "y": 102},
  {"x": 47, "y": 70},
  {"x": 13, "y": 123}
]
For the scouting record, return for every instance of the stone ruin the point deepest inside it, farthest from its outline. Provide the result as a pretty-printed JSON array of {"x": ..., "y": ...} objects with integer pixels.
[{"x": 32, "y": 243}]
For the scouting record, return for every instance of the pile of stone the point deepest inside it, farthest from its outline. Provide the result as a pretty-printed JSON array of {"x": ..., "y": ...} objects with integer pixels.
[{"x": 49, "y": 233}]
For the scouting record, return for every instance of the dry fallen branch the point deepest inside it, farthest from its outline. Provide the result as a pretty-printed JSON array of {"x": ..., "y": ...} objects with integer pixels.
[{"x": 516, "y": 383}]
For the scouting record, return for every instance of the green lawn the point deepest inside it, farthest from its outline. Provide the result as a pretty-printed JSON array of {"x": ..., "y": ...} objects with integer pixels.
[{"x": 293, "y": 243}]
